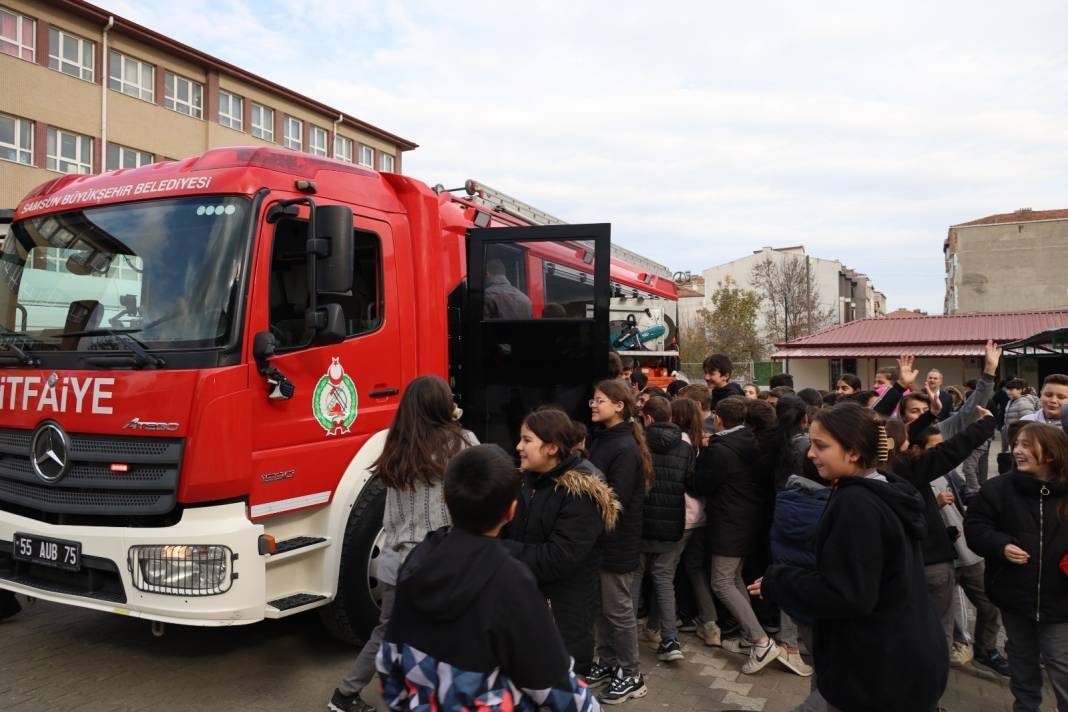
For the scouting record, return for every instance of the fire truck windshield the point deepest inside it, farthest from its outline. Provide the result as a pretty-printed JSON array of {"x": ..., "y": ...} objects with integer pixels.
[{"x": 166, "y": 270}]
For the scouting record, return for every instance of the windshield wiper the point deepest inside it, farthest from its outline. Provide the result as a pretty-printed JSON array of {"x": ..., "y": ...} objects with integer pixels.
[
  {"x": 142, "y": 357},
  {"x": 24, "y": 357}
]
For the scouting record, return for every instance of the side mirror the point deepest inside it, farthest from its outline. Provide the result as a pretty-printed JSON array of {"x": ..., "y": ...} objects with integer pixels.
[
  {"x": 263, "y": 348},
  {"x": 327, "y": 322},
  {"x": 333, "y": 273}
]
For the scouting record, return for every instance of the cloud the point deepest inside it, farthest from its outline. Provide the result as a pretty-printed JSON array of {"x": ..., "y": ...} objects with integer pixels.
[{"x": 702, "y": 131}]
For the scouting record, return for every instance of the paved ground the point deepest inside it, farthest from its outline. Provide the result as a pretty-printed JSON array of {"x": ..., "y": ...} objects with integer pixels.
[{"x": 59, "y": 658}]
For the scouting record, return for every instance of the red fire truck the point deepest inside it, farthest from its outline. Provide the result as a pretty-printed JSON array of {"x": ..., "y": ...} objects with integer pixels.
[{"x": 199, "y": 360}]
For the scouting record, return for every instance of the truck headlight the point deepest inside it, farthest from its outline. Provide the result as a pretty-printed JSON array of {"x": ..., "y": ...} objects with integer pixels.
[{"x": 182, "y": 570}]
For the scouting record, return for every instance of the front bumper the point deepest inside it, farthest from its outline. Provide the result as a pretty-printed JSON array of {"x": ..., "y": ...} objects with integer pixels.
[{"x": 105, "y": 582}]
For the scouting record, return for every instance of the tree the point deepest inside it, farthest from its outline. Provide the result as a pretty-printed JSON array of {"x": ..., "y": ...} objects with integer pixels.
[
  {"x": 729, "y": 327},
  {"x": 790, "y": 298}
]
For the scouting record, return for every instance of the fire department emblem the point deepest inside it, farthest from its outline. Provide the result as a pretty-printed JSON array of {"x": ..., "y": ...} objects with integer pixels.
[{"x": 334, "y": 400}]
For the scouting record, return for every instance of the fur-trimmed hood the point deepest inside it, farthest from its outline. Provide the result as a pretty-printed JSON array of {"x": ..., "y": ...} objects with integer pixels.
[{"x": 583, "y": 483}]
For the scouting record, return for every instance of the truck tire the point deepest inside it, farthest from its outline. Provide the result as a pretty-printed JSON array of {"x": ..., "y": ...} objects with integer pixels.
[{"x": 353, "y": 613}]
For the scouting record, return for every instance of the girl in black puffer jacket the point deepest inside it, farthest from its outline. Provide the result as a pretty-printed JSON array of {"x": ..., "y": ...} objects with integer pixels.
[
  {"x": 663, "y": 523},
  {"x": 564, "y": 507},
  {"x": 1019, "y": 523},
  {"x": 618, "y": 449}
]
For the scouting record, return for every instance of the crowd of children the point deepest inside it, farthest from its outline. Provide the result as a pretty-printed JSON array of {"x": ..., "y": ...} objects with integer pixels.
[{"x": 832, "y": 533}]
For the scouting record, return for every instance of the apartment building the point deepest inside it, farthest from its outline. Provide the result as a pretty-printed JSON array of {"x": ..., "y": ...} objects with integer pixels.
[
  {"x": 1007, "y": 262},
  {"x": 85, "y": 91}
]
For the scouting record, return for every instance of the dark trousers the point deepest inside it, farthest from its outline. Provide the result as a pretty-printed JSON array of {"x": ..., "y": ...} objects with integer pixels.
[
  {"x": 1027, "y": 642},
  {"x": 573, "y": 611},
  {"x": 987, "y": 620}
]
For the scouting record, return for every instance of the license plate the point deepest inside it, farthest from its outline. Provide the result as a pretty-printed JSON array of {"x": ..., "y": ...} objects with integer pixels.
[{"x": 57, "y": 553}]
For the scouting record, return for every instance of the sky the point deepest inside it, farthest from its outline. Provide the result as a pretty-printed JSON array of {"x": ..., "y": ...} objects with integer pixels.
[{"x": 701, "y": 131}]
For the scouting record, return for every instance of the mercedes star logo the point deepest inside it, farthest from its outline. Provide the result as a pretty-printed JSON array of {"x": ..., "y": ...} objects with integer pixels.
[{"x": 49, "y": 451}]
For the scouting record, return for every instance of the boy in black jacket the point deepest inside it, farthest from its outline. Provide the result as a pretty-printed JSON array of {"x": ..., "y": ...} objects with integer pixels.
[
  {"x": 663, "y": 523},
  {"x": 466, "y": 608},
  {"x": 737, "y": 518}
]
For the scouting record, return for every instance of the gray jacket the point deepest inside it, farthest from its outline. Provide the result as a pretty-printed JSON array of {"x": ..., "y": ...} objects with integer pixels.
[
  {"x": 956, "y": 423},
  {"x": 1020, "y": 408}
]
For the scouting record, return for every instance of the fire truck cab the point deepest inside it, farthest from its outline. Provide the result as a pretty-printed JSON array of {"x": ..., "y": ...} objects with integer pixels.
[{"x": 199, "y": 361}]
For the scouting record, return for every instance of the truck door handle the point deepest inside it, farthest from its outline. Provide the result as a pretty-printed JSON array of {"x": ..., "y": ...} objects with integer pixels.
[{"x": 384, "y": 393}]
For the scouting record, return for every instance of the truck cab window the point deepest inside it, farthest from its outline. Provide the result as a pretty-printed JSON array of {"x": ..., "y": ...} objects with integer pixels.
[
  {"x": 363, "y": 305},
  {"x": 506, "y": 295}
]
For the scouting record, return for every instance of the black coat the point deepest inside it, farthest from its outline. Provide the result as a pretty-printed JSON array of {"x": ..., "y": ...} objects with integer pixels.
[
  {"x": 731, "y": 389},
  {"x": 878, "y": 646},
  {"x": 664, "y": 511},
  {"x": 1009, "y": 510},
  {"x": 615, "y": 453},
  {"x": 929, "y": 465},
  {"x": 726, "y": 475}
]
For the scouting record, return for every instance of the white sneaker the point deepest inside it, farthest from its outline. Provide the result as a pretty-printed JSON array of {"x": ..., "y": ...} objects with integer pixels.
[
  {"x": 794, "y": 663},
  {"x": 736, "y": 645},
  {"x": 760, "y": 656}
]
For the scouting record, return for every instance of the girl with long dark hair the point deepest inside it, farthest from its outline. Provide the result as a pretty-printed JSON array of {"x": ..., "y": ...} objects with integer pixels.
[
  {"x": 877, "y": 643},
  {"x": 618, "y": 449},
  {"x": 564, "y": 506},
  {"x": 423, "y": 436},
  {"x": 1019, "y": 523}
]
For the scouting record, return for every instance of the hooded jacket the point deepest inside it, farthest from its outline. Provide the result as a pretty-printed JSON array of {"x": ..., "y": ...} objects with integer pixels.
[
  {"x": 1016, "y": 508},
  {"x": 664, "y": 509},
  {"x": 465, "y": 619},
  {"x": 920, "y": 470},
  {"x": 726, "y": 475},
  {"x": 878, "y": 645},
  {"x": 615, "y": 453},
  {"x": 798, "y": 509}
]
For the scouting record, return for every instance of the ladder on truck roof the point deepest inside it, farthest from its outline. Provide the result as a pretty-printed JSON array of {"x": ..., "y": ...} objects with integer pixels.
[{"x": 500, "y": 202}]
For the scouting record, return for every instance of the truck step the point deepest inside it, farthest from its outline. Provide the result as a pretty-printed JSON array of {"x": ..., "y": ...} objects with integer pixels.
[
  {"x": 297, "y": 542},
  {"x": 297, "y": 600}
]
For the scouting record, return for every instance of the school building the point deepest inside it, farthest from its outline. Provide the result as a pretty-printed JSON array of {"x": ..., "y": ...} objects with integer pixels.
[
  {"x": 85, "y": 91},
  {"x": 954, "y": 344}
]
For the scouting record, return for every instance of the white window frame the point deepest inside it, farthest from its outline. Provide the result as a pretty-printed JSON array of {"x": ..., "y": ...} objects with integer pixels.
[
  {"x": 21, "y": 43},
  {"x": 192, "y": 103},
  {"x": 317, "y": 139},
  {"x": 386, "y": 162},
  {"x": 288, "y": 123},
  {"x": 228, "y": 118},
  {"x": 83, "y": 158},
  {"x": 141, "y": 158},
  {"x": 345, "y": 144},
  {"x": 367, "y": 157},
  {"x": 132, "y": 77},
  {"x": 23, "y": 153},
  {"x": 264, "y": 129},
  {"x": 84, "y": 67}
]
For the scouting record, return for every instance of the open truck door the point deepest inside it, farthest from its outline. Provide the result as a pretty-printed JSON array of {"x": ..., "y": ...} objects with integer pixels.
[{"x": 533, "y": 325}]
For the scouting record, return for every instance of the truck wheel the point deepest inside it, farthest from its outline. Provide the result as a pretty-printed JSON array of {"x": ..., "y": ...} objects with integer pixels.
[{"x": 353, "y": 613}]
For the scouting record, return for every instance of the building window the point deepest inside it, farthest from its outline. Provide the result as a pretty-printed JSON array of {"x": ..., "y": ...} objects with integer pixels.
[
  {"x": 262, "y": 122},
  {"x": 125, "y": 157},
  {"x": 342, "y": 148},
  {"x": 367, "y": 156},
  {"x": 385, "y": 162},
  {"x": 16, "y": 140},
  {"x": 132, "y": 76},
  {"x": 183, "y": 95},
  {"x": 293, "y": 133},
  {"x": 317, "y": 141},
  {"x": 230, "y": 108},
  {"x": 69, "y": 152},
  {"x": 70, "y": 54},
  {"x": 18, "y": 35}
]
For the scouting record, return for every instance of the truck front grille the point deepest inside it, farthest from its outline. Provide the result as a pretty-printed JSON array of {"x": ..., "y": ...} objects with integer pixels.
[{"x": 91, "y": 486}]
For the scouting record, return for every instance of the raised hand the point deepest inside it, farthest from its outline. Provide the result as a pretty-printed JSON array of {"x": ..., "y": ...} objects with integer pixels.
[
  {"x": 907, "y": 375},
  {"x": 991, "y": 359},
  {"x": 983, "y": 412},
  {"x": 936, "y": 402}
]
